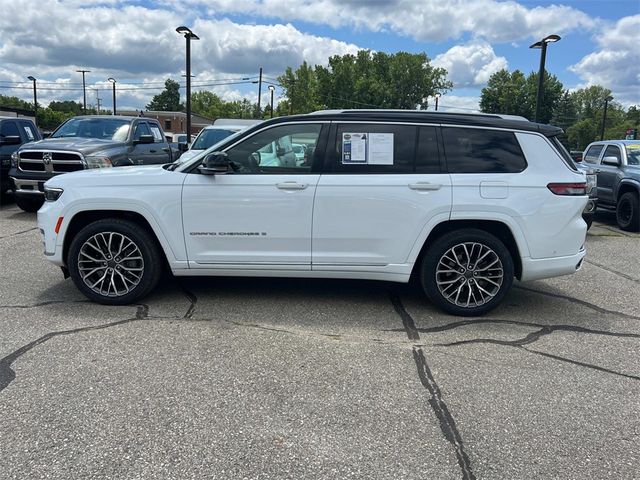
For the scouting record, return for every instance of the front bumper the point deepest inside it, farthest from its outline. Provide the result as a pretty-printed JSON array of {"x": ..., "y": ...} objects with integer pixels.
[{"x": 48, "y": 216}]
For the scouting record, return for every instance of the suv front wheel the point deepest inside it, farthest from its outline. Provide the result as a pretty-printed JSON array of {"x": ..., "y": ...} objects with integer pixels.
[
  {"x": 114, "y": 261},
  {"x": 467, "y": 272}
]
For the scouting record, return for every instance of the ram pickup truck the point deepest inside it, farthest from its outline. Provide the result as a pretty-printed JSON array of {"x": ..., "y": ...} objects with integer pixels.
[
  {"x": 82, "y": 143},
  {"x": 14, "y": 131}
]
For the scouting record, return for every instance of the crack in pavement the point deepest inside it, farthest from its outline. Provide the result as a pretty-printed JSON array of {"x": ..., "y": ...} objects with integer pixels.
[
  {"x": 45, "y": 303},
  {"x": 592, "y": 306},
  {"x": 611, "y": 270},
  {"x": 438, "y": 405},
  {"x": 7, "y": 375},
  {"x": 532, "y": 338},
  {"x": 19, "y": 233},
  {"x": 192, "y": 300}
]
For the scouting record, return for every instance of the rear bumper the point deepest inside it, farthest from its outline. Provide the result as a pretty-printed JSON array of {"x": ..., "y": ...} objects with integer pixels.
[{"x": 538, "y": 268}]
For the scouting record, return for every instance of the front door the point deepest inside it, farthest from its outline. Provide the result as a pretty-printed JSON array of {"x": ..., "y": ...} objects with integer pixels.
[
  {"x": 259, "y": 216},
  {"x": 607, "y": 173}
]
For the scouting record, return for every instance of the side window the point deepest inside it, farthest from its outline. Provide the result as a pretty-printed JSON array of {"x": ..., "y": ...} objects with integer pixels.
[
  {"x": 427, "y": 158},
  {"x": 157, "y": 134},
  {"x": 374, "y": 148},
  {"x": 612, "y": 151},
  {"x": 167, "y": 124},
  {"x": 592, "y": 154},
  {"x": 271, "y": 151},
  {"x": 141, "y": 129},
  {"x": 8, "y": 128},
  {"x": 476, "y": 150}
]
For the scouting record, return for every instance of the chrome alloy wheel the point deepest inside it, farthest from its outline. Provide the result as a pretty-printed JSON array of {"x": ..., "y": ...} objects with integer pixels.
[
  {"x": 110, "y": 264},
  {"x": 469, "y": 274}
]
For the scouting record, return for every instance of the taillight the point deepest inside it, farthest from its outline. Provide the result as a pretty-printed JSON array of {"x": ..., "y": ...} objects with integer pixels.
[{"x": 568, "y": 188}]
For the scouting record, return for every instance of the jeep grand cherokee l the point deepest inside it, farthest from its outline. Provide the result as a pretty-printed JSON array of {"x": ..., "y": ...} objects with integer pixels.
[{"x": 464, "y": 202}]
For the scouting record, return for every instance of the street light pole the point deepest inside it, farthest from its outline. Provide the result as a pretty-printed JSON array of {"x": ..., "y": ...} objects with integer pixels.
[
  {"x": 84, "y": 91},
  {"x": 437, "y": 95},
  {"x": 188, "y": 35},
  {"x": 260, "y": 93},
  {"x": 604, "y": 116},
  {"x": 542, "y": 44},
  {"x": 35, "y": 99},
  {"x": 271, "y": 89},
  {"x": 113, "y": 81}
]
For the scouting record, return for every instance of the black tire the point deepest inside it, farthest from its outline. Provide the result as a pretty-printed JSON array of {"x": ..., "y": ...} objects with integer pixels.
[
  {"x": 151, "y": 264},
  {"x": 467, "y": 277},
  {"x": 628, "y": 212},
  {"x": 29, "y": 204}
]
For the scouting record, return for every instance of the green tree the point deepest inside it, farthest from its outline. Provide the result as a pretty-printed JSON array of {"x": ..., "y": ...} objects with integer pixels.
[
  {"x": 66, "y": 106},
  {"x": 515, "y": 94},
  {"x": 15, "y": 102},
  {"x": 366, "y": 80},
  {"x": 168, "y": 99}
]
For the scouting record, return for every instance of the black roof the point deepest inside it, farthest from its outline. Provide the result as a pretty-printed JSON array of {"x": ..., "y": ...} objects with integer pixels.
[{"x": 419, "y": 116}]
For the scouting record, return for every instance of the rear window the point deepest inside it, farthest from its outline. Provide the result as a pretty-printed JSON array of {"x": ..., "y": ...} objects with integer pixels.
[
  {"x": 476, "y": 150},
  {"x": 566, "y": 156}
]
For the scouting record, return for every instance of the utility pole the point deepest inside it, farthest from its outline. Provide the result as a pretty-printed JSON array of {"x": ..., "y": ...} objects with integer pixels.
[
  {"x": 84, "y": 91},
  {"x": 259, "y": 93},
  {"x": 98, "y": 100},
  {"x": 604, "y": 116}
]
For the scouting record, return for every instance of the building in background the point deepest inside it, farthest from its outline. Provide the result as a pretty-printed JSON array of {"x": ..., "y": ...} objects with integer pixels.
[{"x": 173, "y": 123}]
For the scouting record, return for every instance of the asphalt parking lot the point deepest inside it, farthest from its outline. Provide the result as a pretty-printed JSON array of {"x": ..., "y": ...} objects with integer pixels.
[{"x": 272, "y": 378}]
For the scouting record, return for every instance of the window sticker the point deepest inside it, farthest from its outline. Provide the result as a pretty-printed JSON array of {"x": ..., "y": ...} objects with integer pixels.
[
  {"x": 29, "y": 132},
  {"x": 354, "y": 148},
  {"x": 367, "y": 148},
  {"x": 380, "y": 149},
  {"x": 156, "y": 133}
]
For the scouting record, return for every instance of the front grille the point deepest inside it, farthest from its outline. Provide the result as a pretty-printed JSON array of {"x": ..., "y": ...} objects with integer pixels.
[{"x": 61, "y": 162}]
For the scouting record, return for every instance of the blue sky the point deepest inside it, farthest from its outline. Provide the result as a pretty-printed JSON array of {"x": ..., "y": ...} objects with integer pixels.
[{"x": 135, "y": 42}]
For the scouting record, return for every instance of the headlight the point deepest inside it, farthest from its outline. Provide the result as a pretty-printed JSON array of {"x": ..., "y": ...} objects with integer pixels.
[
  {"x": 52, "y": 194},
  {"x": 98, "y": 161},
  {"x": 14, "y": 159}
]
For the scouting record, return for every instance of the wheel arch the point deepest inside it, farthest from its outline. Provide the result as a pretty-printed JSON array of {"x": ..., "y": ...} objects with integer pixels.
[
  {"x": 495, "y": 227},
  {"x": 83, "y": 218},
  {"x": 627, "y": 186}
]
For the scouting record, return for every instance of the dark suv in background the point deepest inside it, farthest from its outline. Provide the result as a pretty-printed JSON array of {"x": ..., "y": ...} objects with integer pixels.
[
  {"x": 14, "y": 131},
  {"x": 617, "y": 164}
]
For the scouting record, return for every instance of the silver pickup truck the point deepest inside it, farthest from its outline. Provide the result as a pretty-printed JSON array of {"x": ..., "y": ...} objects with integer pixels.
[{"x": 86, "y": 142}]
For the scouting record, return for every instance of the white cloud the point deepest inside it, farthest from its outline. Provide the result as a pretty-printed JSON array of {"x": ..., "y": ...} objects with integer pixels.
[
  {"x": 471, "y": 64},
  {"x": 458, "y": 103},
  {"x": 616, "y": 65},
  {"x": 432, "y": 20}
]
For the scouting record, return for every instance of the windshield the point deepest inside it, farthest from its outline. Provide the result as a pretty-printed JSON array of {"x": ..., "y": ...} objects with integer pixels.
[
  {"x": 102, "y": 128},
  {"x": 209, "y": 137},
  {"x": 633, "y": 154}
]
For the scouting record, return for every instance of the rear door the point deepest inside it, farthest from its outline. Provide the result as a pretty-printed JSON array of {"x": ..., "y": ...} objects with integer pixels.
[{"x": 374, "y": 199}]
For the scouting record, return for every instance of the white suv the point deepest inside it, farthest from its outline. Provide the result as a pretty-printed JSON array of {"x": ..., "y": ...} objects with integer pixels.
[{"x": 463, "y": 202}]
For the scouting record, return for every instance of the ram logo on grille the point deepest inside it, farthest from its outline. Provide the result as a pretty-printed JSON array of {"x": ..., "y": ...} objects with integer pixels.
[{"x": 47, "y": 157}]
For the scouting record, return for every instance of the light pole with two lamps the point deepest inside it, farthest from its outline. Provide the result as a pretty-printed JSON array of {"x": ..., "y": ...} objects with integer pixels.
[
  {"x": 188, "y": 35},
  {"x": 542, "y": 44}
]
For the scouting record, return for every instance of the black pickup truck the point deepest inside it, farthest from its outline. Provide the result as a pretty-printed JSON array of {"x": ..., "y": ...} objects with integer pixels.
[
  {"x": 14, "y": 131},
  {"x": 96, "y": 141}
]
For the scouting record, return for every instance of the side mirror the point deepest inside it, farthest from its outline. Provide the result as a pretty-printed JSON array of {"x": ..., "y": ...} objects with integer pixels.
[
  {"x": 144, "y": 139},
  {"x": 216, "y": 162},
  {"x": 183, "y": 147},
  {"x": 613, "y": 161},
  {"x": 10, "y": 140}
]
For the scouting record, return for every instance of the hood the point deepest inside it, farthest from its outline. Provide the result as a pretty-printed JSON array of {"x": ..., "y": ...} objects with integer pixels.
[
  {"x": 117, "y": 176},
  {"x": 633, "y": 171},
  {"x": 188, "y": 155},
  {"x": 82, "y": 145}
]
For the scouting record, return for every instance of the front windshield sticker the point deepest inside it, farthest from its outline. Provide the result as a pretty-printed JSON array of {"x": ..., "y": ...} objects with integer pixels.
[{"x": 29, "y": 132}]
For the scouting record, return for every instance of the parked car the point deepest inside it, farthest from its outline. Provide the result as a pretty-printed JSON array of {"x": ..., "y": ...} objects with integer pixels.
[
  {"x": 212, "y": 134},
  {"x": 592, "y": 190},
  {"x": 14, "y": 131},
  {"x": 86, "y": 142},
  {"x": 617, "y": 164},
  {"x": 464, "y": 202}
]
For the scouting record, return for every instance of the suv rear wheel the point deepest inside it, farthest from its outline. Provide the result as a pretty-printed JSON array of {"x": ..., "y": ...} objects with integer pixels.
[
  {"x": 114, "y": 262},
  {"x": 627, "y": 212},
  {"x": 467, "y": 272}
]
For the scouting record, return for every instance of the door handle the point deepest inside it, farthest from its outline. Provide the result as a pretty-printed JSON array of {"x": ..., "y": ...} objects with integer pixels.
[
  {"x": 166, "y": 149},
  {"x": 425, "y": 186},
  {"x": 291, "y": 186},
  {"x": 152, "y": 151}
]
